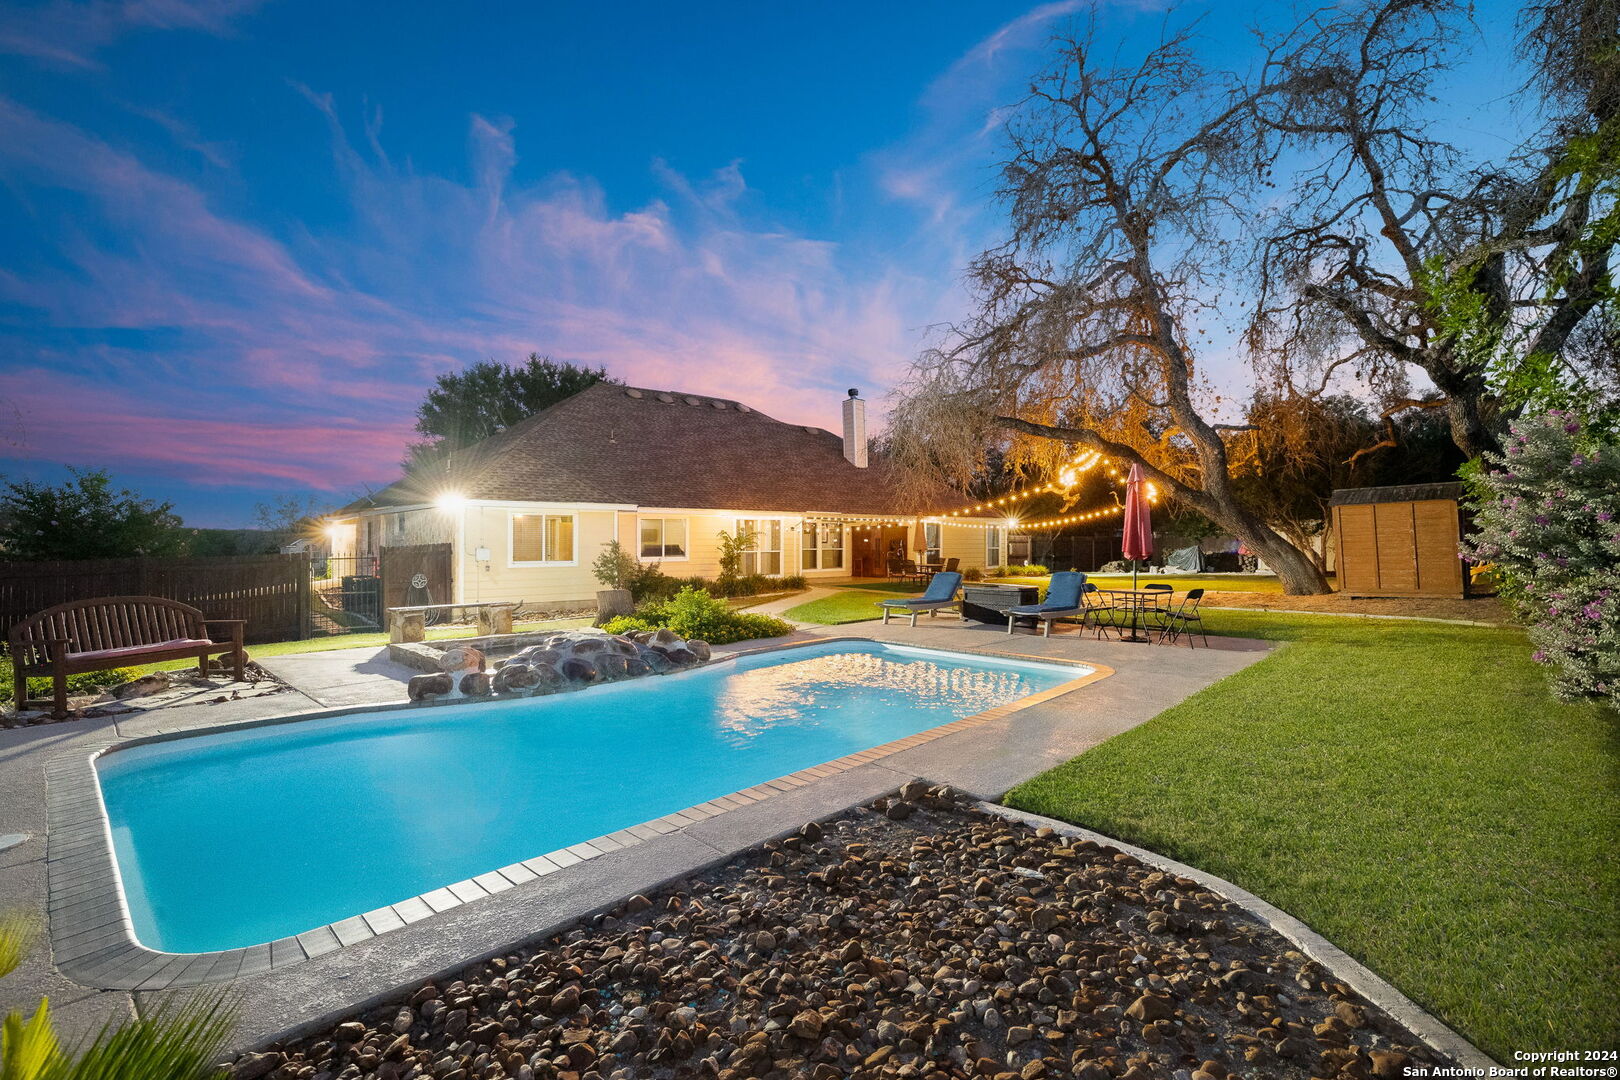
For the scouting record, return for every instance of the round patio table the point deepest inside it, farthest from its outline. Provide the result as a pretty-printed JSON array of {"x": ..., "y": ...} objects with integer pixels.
[{"x": 1136, "y": 601}]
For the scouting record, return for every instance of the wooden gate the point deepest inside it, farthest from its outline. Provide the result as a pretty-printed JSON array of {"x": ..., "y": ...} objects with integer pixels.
[{"x": 416, "y": 574}]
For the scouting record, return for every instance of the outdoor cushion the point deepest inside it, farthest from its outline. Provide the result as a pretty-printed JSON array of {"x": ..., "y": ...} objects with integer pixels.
[
  {"x": 126, "y": 650},
  {"x": 941, "y": 590},
  {"x": 1062, "y": 596}
]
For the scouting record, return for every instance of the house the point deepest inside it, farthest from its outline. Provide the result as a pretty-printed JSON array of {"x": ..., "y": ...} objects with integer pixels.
[{"x": 529, "y": 509}]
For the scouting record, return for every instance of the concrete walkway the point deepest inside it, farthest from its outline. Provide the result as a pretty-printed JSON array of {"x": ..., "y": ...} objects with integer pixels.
[{"x": 984, "y": 759}]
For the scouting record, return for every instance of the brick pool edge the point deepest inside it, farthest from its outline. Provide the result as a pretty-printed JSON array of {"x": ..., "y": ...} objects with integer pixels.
[{"x": 93, "y": 940}]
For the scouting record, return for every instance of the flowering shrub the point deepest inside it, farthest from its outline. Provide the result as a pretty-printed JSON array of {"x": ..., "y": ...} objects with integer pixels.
[
  {"x": 1549, "y": 518},
  {"x": 693, "y": 613}
]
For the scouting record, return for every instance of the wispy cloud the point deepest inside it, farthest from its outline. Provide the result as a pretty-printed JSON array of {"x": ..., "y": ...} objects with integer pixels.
[
  {"x": 71, "y": 32},
  {"x": 297, "y": 335}
]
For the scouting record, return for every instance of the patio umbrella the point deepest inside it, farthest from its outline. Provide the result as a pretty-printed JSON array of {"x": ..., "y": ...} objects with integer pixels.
[{"x": 1138, "y": 539}]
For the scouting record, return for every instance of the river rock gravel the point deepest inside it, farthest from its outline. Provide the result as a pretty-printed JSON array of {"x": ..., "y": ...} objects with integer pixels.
[{"x": 939, "y": 943}]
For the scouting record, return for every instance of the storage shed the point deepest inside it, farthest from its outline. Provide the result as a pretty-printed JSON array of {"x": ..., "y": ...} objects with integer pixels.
[{"x": 1399, "y": 541}]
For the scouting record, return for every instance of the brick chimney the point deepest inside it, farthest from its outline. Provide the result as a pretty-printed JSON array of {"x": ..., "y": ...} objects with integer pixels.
[{"x": 855, "y": 429}]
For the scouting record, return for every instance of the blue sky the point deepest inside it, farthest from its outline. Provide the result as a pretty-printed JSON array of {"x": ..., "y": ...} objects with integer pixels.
[{"x": 238, "y": 239}]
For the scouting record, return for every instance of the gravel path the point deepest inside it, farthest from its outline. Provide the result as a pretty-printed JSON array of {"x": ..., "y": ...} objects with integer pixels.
[{"x": 916, "y": 938}]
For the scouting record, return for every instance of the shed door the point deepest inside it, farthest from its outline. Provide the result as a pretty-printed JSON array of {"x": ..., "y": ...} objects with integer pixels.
[
  {"x": 1358, "y": 550},
  {"x": 1436, "y": 529},
  {"x": 1397, "y": 553}
]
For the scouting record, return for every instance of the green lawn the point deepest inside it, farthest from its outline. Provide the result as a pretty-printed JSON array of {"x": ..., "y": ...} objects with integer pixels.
[
  {"x": 849, "y": 605},
  {"x": 1411, "y": 791},
  {"x": 1262, "y": 583}
]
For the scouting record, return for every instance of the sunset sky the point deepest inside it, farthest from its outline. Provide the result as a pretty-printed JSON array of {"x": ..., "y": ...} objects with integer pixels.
[{"x": 238, "y": 239}]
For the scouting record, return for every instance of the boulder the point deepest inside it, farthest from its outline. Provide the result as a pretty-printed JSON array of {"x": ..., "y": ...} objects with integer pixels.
[
  {"x": 700, "y": 649},
  {"x": 578, "y": 671},
  {"x": 514, "y": 677},
  {"x": 635, "y": 667},
  {"x": 665, "y": 636},
  {"x": 610, "y": 667},
  {"x": 475, "y": 684},
  {"x": 461, "y": 659},
  {"x": 428, "y": 687},
  {"x": 548, "y": 680},
  {"x": 155, "y": 683}
]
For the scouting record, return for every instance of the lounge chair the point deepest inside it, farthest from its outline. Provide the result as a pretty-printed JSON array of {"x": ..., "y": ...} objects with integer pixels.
[
  {"x": 1062, "y": 599},
  {"x": 941, "y": 593}
]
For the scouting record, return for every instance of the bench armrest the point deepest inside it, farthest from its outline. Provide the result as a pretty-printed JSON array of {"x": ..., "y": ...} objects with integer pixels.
[{"x": 238, "y": 622}]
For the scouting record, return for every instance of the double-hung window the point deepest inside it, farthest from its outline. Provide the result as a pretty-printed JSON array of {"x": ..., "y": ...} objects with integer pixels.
[
  {"x": 823, "y": 546},
  {"x": 542, "y": 539},
  {"x": 992, "y": 547},
  {"x": 764, "y": 554},
  {"x": 663, "y": 538},
  {"x": 932, "y": 546}
]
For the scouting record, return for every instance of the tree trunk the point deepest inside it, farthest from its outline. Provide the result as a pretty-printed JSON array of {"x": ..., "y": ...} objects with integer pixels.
[
  {"x": 1298, "y": 572},
  {"x": 1296, "y": 569}
]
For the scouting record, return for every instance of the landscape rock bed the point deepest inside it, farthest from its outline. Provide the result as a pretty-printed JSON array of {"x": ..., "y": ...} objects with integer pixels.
[
  {"x": 156, "y": 690},
  {"x": 915, "y": 938}
]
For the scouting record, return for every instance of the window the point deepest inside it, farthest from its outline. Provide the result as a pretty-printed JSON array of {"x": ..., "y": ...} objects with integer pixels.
[
  {"x": 663, "y": 538},
  {"x": 765, "y": 554},
  {"x": 396, "y": 530},
  {"x": 932, "y": 546},
  {"x": 542, "y": 538},
  {"x": 992, "y": 547},
  {"x": 823, "y": 546}
]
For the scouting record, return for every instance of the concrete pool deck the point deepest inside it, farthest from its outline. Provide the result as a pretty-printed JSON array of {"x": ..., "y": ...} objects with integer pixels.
[{"x": 984, "y": 758}]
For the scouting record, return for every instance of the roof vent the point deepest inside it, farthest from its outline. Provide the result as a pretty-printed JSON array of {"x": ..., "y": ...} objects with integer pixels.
[
  {"x": 632, "y": 392},
  {"x": 743, "y": 408},
  {"x": 690, "y": 400},
  {"x": 812, "y": 430},
  {"x": 718, "y": 404},
  {"x": 667, "y": 399}
]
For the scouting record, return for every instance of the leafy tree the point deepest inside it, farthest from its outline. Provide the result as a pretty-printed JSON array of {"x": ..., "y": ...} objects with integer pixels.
[
  {"x": 287, "y": 517},
  {"x": 1120, "y": 190},
  {"x": 85, "y": 518},
  {"x": 1392, "y": 257},
  {"x": 475, "y": 402}
]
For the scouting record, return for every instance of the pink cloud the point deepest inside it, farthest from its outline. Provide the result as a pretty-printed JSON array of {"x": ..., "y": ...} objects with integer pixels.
[{"x": 104, "y": 428}]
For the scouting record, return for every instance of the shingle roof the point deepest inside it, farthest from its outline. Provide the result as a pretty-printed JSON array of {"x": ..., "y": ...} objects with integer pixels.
[
  {"x": 618, "y": 444},
  {"x": 1397, "y": 493}
]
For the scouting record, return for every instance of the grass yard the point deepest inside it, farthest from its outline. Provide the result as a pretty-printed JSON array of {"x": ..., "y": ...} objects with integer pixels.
[
  {"x": 846, "y": 606},
  {"x": 1411, "y": 791}
]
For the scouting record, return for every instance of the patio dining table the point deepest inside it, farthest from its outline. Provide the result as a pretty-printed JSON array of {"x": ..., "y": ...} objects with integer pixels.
[{"x": 1138, "y": 602}]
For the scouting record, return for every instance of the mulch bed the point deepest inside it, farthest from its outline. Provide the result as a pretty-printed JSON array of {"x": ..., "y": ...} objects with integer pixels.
[{"x": 915, "y": 938}]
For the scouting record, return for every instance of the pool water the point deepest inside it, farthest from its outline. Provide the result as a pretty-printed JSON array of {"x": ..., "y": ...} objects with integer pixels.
[{"x": 234, "y": 839}]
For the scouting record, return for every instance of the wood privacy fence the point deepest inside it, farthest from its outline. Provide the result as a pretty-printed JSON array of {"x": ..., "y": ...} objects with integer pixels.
[{"x": 270, "y": 591}]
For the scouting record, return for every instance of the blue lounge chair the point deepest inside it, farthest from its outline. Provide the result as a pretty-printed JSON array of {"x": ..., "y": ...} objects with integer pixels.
[
  {"x": 1062, "y": 599},
  {"x": 941, "y": 594}
]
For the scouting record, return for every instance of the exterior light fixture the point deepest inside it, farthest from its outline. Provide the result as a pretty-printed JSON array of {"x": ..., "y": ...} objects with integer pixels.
[{"x": 450, "y": 501}]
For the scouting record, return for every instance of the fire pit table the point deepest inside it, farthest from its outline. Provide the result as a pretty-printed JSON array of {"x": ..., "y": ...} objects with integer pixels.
[{"x": 989, "y": 603}]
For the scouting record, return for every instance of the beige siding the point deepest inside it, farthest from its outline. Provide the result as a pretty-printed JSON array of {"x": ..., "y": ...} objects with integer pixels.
[
  {"x": 966, "y": 544},
  {"x": 495, "y": 578},
  {"x": 430, "y": 525}
]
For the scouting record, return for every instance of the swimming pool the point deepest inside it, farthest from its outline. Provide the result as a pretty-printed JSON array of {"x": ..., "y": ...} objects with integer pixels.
[{"x": 236, "y": 838}]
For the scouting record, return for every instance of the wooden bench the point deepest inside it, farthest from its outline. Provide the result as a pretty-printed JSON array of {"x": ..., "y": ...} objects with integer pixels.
[{"x": 112, "y": 632}]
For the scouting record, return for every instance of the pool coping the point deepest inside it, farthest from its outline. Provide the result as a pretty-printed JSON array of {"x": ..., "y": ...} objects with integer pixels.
[{"x": 93, "y": 938}]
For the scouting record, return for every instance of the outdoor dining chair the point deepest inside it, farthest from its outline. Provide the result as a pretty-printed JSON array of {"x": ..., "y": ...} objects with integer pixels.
[
  {"x": 1184, "y": 620},
  {"x": 1062, "y": 600},
  {"x": 1098, "y": 608}
]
